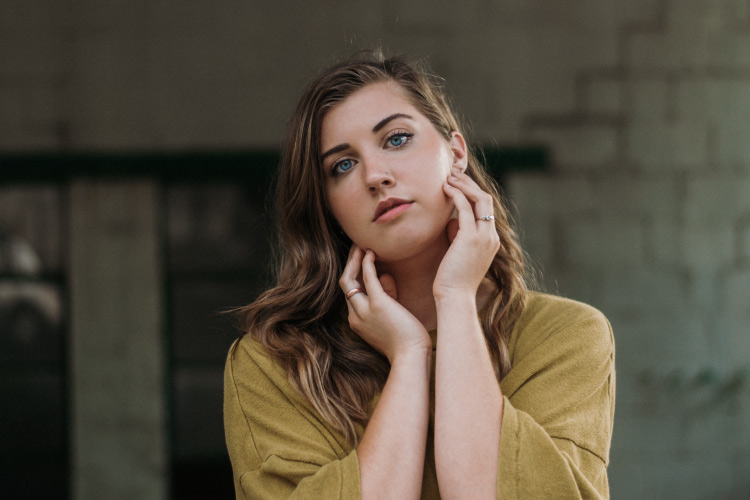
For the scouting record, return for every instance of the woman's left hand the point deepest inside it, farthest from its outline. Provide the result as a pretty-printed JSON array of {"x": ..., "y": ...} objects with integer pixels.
[{"x": 475, "y": 242}]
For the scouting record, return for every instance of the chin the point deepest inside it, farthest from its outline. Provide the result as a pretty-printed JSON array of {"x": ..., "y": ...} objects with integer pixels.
[{"x": 411, "y": 246}]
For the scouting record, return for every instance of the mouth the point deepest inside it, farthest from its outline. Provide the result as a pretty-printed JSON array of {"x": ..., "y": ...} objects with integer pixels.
[{"x": 390, "y": 208}]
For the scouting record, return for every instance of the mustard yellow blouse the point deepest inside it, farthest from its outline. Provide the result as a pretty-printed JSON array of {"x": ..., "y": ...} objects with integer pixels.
[{"x": 554, "y": 441}]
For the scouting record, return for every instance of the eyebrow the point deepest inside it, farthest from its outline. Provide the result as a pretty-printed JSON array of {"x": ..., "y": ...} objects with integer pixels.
[
  {"x": 333, "y": 150},
  {"x": 382, "y": 123}
]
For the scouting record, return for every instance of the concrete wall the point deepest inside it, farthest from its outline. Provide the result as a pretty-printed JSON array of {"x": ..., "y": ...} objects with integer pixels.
[{"x": 644, "y": 104}]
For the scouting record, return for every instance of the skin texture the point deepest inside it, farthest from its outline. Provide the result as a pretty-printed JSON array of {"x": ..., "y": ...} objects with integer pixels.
[{"x": 420, "y": 269}]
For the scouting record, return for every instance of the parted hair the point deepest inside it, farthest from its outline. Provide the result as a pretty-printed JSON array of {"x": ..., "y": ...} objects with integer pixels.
[{"x": 301, "y": 320}]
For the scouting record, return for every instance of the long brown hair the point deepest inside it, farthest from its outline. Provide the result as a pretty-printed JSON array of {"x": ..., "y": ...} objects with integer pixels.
[{"x": 302, "y": 319}]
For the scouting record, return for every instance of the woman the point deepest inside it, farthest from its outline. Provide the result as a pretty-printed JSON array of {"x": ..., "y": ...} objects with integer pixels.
[{"x": 399, "y": 354}]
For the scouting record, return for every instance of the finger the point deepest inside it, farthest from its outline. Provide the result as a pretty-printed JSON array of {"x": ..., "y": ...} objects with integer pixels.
[
  {"x": 481, "y": 200},
  {"x": 349, "y": 277},
  {"x": 350, "y": 280},
  {"x": 451, "y": 229},
  {"x": 466, "y": 184},
  {"x": 370, "y": 274},
  {"x": 466, "y": 217},
  {"x": 389, "y": 285}
]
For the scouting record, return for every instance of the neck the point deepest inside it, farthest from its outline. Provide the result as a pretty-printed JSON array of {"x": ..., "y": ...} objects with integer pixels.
[{"x": 414, "y": 277}]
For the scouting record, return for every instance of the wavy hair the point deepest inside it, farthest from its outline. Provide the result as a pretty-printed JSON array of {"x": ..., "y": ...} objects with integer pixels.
[{"x": 301, "y": 320}]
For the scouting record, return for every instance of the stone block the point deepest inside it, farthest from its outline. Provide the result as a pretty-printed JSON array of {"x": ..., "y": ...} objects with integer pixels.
[
  {"x": 539, "y": 195},
  {"x": 657, "y": 341},
  {"x": 630, "y": 194},
  {"x": 602, "y": 242},
  {"x": 537, "y": 241},
  {"x": 647, "y": 51},
  {"x": 717, "y": 200},
  {"x": 33, "y": 58},
  {"x": 643, "y": 289},
  {"x": 732, "y": 136},
  {"x": 697, "y": 36},
  {"x": 735, "y": 295},
  {"x": 743, "y": 241},
  {"x": 621, "y": 473},
  {"x": 604, "y": 96},
  {"x": 33, "y": 36},
  {"x": 690, "y": 15},
  {"x": 29, "y": 117},
  {"x": 19, "y": 17},
  {"x": 101, "y": 16},
  {"x": 423, "y": 15},
  {"x": 639, "y": 12},
  {"x": 669, "y": 127},
  {"x": 579, "y": 146},
  {"x": 111, "y": 100},
  {"x": 664, "y": 472},
  {"x": 573, "y": 195},
  {"x": 731, "y": 335},
  {"x": 740, "y": 465},
  {"x": 694, "y": 98},
  {"x": 649, "y": 100},
  {"x": 664, "y": 147},
  {"x": 581, "y": 285},
  {"x": 731, "y": 50},
  {"x": 664, "y": 239},
  {"x": 708, "y": 246}
]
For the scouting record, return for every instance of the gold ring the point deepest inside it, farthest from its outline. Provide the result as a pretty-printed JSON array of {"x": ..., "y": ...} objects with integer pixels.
[{"x": 354, "y": 291}]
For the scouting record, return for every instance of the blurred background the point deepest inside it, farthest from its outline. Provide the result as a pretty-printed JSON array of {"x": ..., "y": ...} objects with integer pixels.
[{"x": 138, "y": 140}]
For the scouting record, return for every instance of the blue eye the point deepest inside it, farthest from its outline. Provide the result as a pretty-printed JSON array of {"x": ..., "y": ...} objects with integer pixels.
[
  {"x": 397, "y": 140},
  {"x": 342, "y": 166}
]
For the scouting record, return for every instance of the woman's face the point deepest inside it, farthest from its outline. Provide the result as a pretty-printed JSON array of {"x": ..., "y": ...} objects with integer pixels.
[{"x": 384, "y": 167}]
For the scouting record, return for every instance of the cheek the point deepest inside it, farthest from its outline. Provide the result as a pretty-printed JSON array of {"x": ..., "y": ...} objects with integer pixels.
[{"x": 344, "y": 209}]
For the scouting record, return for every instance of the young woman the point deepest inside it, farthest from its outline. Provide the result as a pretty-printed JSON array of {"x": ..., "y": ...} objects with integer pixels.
[{"x": 400, "y": 354}]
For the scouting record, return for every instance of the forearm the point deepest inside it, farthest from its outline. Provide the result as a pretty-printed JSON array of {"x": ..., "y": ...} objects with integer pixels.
[
  {"x": 391, "y": 452},
  {"x": 468, "y": 404}
]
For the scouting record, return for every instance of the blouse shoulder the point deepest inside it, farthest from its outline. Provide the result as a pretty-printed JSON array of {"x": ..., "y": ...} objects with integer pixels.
[
  {"x": 564, "y": 323},
  {"x": 249, "y": 362}
]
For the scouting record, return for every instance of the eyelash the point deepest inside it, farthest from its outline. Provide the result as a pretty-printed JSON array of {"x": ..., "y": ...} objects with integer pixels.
[
  {"x": 399, "y": 133},
  {"x": 396, "y": 133}
]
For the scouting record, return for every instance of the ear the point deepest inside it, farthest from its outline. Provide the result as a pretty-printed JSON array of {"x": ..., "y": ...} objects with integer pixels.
[{"x": 459, "y": 150}]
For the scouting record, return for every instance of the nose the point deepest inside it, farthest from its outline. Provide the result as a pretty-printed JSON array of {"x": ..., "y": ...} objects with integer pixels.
[{"x": 377, "y": 175}]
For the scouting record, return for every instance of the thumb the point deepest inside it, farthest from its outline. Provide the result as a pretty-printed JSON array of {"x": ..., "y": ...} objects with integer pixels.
[
  {"x": 389, "y": 285},
  {"x": 452, "y": 229}
]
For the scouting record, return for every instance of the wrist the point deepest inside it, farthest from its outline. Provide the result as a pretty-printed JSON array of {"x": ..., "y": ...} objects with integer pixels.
[
  {"x": 412, "y": 354},
  {"x": 451, "y": 297}
]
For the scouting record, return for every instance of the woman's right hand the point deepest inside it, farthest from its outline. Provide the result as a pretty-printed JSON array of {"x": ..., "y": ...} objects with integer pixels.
[{"x": 376, "y": 315}]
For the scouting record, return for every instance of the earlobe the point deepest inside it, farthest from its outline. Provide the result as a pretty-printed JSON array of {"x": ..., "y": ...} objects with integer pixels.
[{"x": 459, "y": 150}]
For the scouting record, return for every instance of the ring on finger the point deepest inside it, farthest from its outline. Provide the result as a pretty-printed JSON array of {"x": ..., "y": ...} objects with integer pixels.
[
  {"x": 487, "y": 217},
  {"x": 354, "y": 291}
]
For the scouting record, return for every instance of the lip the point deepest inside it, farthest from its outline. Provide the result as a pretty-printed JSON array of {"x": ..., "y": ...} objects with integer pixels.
[{"x": 390, "y": 208}]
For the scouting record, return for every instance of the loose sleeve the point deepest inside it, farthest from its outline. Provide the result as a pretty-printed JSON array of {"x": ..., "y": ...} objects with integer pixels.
[
  {"x": 278, "y": 448},
  {"x": 559, "y": 409}
]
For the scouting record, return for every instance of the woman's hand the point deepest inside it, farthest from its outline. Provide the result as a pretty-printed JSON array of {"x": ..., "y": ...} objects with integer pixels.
[
  {"x": 375, "y": 315},
  {"x": 474, "y": 241}
]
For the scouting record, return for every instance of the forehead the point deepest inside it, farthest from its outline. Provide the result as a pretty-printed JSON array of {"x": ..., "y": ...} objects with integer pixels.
[{"x": 366, "y": 107}]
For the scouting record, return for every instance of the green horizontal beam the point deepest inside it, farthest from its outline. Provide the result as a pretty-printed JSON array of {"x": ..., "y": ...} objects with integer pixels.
[{"x": 251, "y": 166}]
